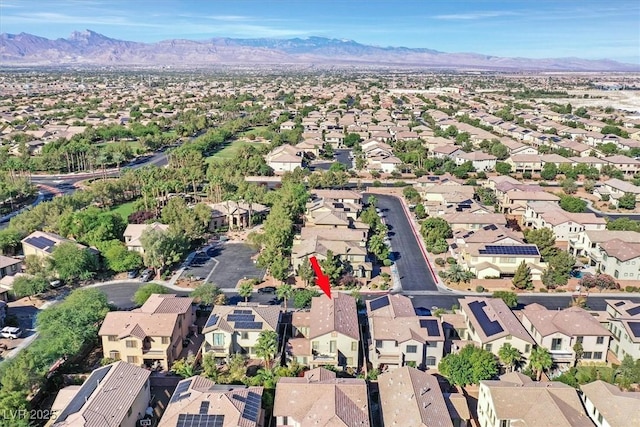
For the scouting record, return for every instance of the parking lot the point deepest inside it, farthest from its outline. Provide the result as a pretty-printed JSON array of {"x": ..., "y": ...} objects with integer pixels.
[{"x": 225, "y": 265}]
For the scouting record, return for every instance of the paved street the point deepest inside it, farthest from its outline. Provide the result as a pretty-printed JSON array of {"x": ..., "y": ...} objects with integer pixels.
[
  {"x": 412, "y": 267},
  {"x": 341, "y": 156},
  {"x": 231, "y": 262}
]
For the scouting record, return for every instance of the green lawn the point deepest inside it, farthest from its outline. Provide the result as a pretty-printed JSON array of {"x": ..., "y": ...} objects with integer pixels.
[
  {"x": 230, "y": 150},
  {"x": 124, "y": 209}
]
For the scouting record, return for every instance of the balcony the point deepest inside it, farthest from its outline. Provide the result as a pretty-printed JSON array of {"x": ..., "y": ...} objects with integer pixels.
[
  {"x": 148, "y": 351},
  {"x": 325, "y": 357},
  {"x": 562, "y": 356}
]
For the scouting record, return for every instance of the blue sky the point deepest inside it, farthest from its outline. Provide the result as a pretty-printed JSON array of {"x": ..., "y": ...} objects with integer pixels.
[{"x": 534, "y": 28}]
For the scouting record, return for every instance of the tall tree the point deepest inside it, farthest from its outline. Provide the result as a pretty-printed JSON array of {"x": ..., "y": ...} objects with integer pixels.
[
  {"x": 267, "y": 346},
  {"x": 540, "y": 360},
  {"x": 332, "y": 267},
  {"x": 245, "y": 290},
  {"x": 543, "y": 238},
  {"x": 509, "y": 356},
  {"x": 73, "y": 262},
  {"x": 522, "y": 277},
  {"x": 284, "y": 292},
  {"x": 206, "y": 293},
  {"x": 470, "y": 366},
  {"x": 305, "y": 271}
]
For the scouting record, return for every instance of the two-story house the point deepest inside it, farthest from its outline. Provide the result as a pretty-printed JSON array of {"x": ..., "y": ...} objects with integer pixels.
[
  {"x": 615, "y": 188},
  {"x": 560, "y": 330},
  {"x": 624, "y": 324},
  {"x": 496, "y": 260},
  {"x": 235, "y": 329},
  {"x": 399, "y": 337},
  {"x": 608, "y": 406},
  {"x": 9, "y": 266},
  {"x": 327, "y": 334},
  {"x": 42, "y": 244},
  {"x": 285, "y": 158},
  {"x": 614, "y": 252},
  {"x": 133, "y": 232},
  {"x": 151, "y": 335}
]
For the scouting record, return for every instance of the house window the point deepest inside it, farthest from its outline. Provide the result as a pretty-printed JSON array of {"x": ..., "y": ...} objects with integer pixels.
[
  {"x": 616, "y": 274},
  {"x": 218, "y": 340},
  {"x": 587, "y": 355},
  {"x": 600, "y": 418},
  {"x": 113, "y": 338},
  {"x": 165, "y": 340},
  {"x": 113, "y": 354},
  {"x": 131, "y": 344},
  {"x": 314, "y": 345},
  {"x": 378, "y": 343},
  {"x": 132, "y": 359},
  {"x": 579, "y": 340},
  {"x": 332, "y": 346},
  {"x": 597, "y": 355},
  {"x": 556, "y": 344},
  {"x": 527, "y": 347},
  {"x": 431, "y": 361},
  {"x": 504, "y": 423},
  {"x": 245, "y": 335},
  {"x": 412, "y": 349},
  {"x": 354, "y": 346},
  {"x": 600, "y": 340},
  {"x": 488, "y": 347}
]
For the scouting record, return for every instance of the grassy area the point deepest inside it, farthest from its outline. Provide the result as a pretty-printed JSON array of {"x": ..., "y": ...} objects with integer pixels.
[
  {"x": 134, "y": 145},
  {"x": 230, "y": 150},
  {"x": 124, "y": 209}
]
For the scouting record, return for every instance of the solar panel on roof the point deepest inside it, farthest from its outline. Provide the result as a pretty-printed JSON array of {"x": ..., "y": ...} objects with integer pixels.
[
  {"x": 432, "y": 327},
  {"x": 490, "y": 327},
  {"x": 635, "y": 328},
  {"x": 212, "y": 320},
  {"x": 241, "y": 318},
  {"x": 180, "y": 392},
  {"x": 378, "y": 303},
  {"x": 509, "y": 250},
  {"x": 242, "y": 312},
  {"x": 619, "y": 303},
  {"x": 633, "y": 311},
  {"x": 248, "y": 325},
  {"x": 204, "y": 407},
  {"x": 490, "y": 227},
  {"x": 252, "y": 407},
  {"x": 200, "y": 420}
]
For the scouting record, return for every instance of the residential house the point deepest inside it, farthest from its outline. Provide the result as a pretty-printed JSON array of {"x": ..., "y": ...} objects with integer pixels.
[
  {"x": 473, "y": 221},
  {"x": 446, "y": 151},
  {"x": 311, "y": 146},
  {"x": 556, "y": 159},
  {"x": 42, "y": 244},
  {"x": 565, "y": 225},
  {"x": 490, "y": 324},
  {"x": 334, "y": 138},
  {"x": 327, "y": 334},
  {"x": 521, "y": 163},
  {"x": 284, "y": 158},
  {"x": 342, "y": 196},
  {"x": 353, "y": 252},
  {"x": 118, "y": 392},
  {"x": 234, "y": 214},
  {"x": 410, "y": 397},
  {"x": 321, "y": 399},
  {"x": 608, "y": 406},
  {"x": 514, "y": 203},
  {"x": 152, "y": 335},
  {"x": 481, "y": 162},
  {"x": 590, "y": 243},
  {"x": 591, "y": 161},
  {"x": 399, "y": 337},
  {"x": 384, "y": 162},
  {"x": 629, "y": 166},
  {"x": 235, "y": 329},
  {"x": 287, "y": 125},
  {"x": 133, "y": 233},
  {"x": 615, "y": 188},
  {"x": 624, "y": 324},
  {"x": 498, "y": 260},
  {"x": 198, "y": 401},
  {"x": 516, "y": 400},
  {"x": 621, "y": 259},
  {"x": 9, "y": 266},
  {"x": 560, "y": 330}
]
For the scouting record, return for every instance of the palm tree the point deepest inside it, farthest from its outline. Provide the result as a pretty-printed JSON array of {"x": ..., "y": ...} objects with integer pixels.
[
  {"x": 509, "y": 356},
  {"x": 266, "y": 378},
  {"x": 245, "y": 290},
  {"x": 540, "y": 360},
  {"x": 456, "y": 274},
  {"x": 284, "y": 291},
  {"x": 267, "y": 346}
]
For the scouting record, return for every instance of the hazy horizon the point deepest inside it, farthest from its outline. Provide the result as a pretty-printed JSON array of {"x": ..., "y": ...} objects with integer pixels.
[{"x": 544, "y": 29}]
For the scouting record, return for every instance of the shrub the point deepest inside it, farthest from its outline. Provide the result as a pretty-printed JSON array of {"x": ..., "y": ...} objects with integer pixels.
[
  {"x": 631, "y": 289},
  {"x": 439, "y": 262},
  {"x": 480, "y": 288},
  {"x": 377, "y": 183},
  {"x": 387, "y": 262},
  {"x": 526, "y": 175},
  {"x": 604, "y": 197},
  {"x": 544, "y": 290},
  {"x": 451, "y": 260}
]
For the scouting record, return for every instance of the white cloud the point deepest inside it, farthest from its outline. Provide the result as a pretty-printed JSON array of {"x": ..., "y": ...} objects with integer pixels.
[{"x": 474, "y": 15}]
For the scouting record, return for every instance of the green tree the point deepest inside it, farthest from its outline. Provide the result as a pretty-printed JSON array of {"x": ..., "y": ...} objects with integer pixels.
[
  {"x": 522, "y": 277},
  {"x": 302, "y": 297},
  {"x": 540, "y": 360},
  {"x": 245, "y": 290},
  {"x": 209, "y": 367},
  {"x": 205, "y": 293},
  {"x": 549, "y": 171},
  {"x": 305, "y": 271},
  {"x": 628, "y": 201},
  {"x": 569, "y": 186},
  {"x": 503, "y": 168},
  {"x": 470, "y": 366},
  {"x": 433, "y": 230},
  {"x": 560, "y": 265},
  {"x": 118, "y": 258},
  {"x": 572, "y": 204},
  {"x": 145, "y": 291},
  {"x": 509, "y": 356},
  {"x": 578, "y": 351},
  {"x": 267, "y": 346},
  {"x": 625, "y": 224},
  {"x": 284, "y": 292},
  {"x": 332, "y": 267},
  {"x": 509, "y": 298},
  {"x": 29, "y": 285},
  {"x": 72, "y": 262},
  {"x": 457, "y": 274},
  {"x": 184, "y": 367},
  {"x": 500, "y": 151},
  {"x": 162, "y": 248},
  {"x": 411, "y": 194},
  {"x": 543, "y": 238}
]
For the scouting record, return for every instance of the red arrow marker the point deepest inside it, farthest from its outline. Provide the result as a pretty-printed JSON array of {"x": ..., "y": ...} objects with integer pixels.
[{"x": 321, "y": 279}]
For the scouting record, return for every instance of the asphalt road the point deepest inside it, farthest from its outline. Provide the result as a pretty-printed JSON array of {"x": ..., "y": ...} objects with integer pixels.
[
  {"x": 229, "y": 263},
  {"x": 341, "y": 156},
  {"x": 412, "y": 267}
]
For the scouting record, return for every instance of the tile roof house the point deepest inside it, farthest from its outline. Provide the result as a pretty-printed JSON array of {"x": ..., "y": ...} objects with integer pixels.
[
  {"x": 321, "y": 399},
  {"x": 133, "y": 232},
  {"x": 560, "y": 330},
  {"x": 608, "y": 406},
  {"x": 327, "y": 334},
  {"x": 9, "y": 266},
  {"x": 235, "y": 329},
  {"x": 234, "y": 214},
  {"x": 616, "y": 188},
  {"x": 624, "y": 324},
  {"x": 117, "y": 394},
  {"x": 490, "y": 324},
  {"x": 198, "y": 401},
  {"x": 482, "y": 162},
  {"x": 152, "y": 334},
  {"x": 42, "y": 244},
  {"x": 491, "y": 260},
  {"x": 399, "y": 336},
  {"x": 529, "y": 403},
  {"x": 284, "y": 158},
  {"x": 410, "y": 397},
  {"x": 473, "y": 221},
  {"x": 614, "y": 252}
]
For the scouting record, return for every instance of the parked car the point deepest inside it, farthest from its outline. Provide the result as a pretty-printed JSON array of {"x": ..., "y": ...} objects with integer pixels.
[
  {"x": 267, "y": 290},
  {"x": 147, "y": 275},
  {"x": 10, "y": 332},
  {"x": 56, "y": 283},
  {"x": 132, "y": 274}
]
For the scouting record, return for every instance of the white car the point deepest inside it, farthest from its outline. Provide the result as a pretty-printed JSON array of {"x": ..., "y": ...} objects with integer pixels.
[{"x": 10, "y": 332}]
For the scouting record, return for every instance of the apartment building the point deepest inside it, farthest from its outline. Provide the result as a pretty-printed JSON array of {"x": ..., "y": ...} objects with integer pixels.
[
  {"x": 119, "y": 393},
  {"x": 151, "y": 335},
  {"x": 399, "y": 337},
  {"x": 321, "y": 399},
  {"x": 560, "y": 330},
  {"x": 235, "y": 329},
  {"x": 624, "y": 324},
  {"x": 490, "y": 324},
  {"x": 327, "y": 334},
  {"x": 516, "y": 400},
  {"x": 200, "y": 402}
]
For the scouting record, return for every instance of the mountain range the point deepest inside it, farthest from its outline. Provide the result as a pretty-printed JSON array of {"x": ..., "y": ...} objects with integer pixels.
[{"x": 88, "y": 48}]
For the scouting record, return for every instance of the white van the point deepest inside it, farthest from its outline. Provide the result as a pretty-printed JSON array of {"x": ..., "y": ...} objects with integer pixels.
[{"x": 10, "y": 332}]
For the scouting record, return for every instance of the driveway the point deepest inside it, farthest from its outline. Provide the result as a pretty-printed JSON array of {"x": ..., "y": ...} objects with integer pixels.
[
  {"x": 226, "y": 265},
  {"x": 341, "y": 156},
  {"x": 414, "y": 272}
]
